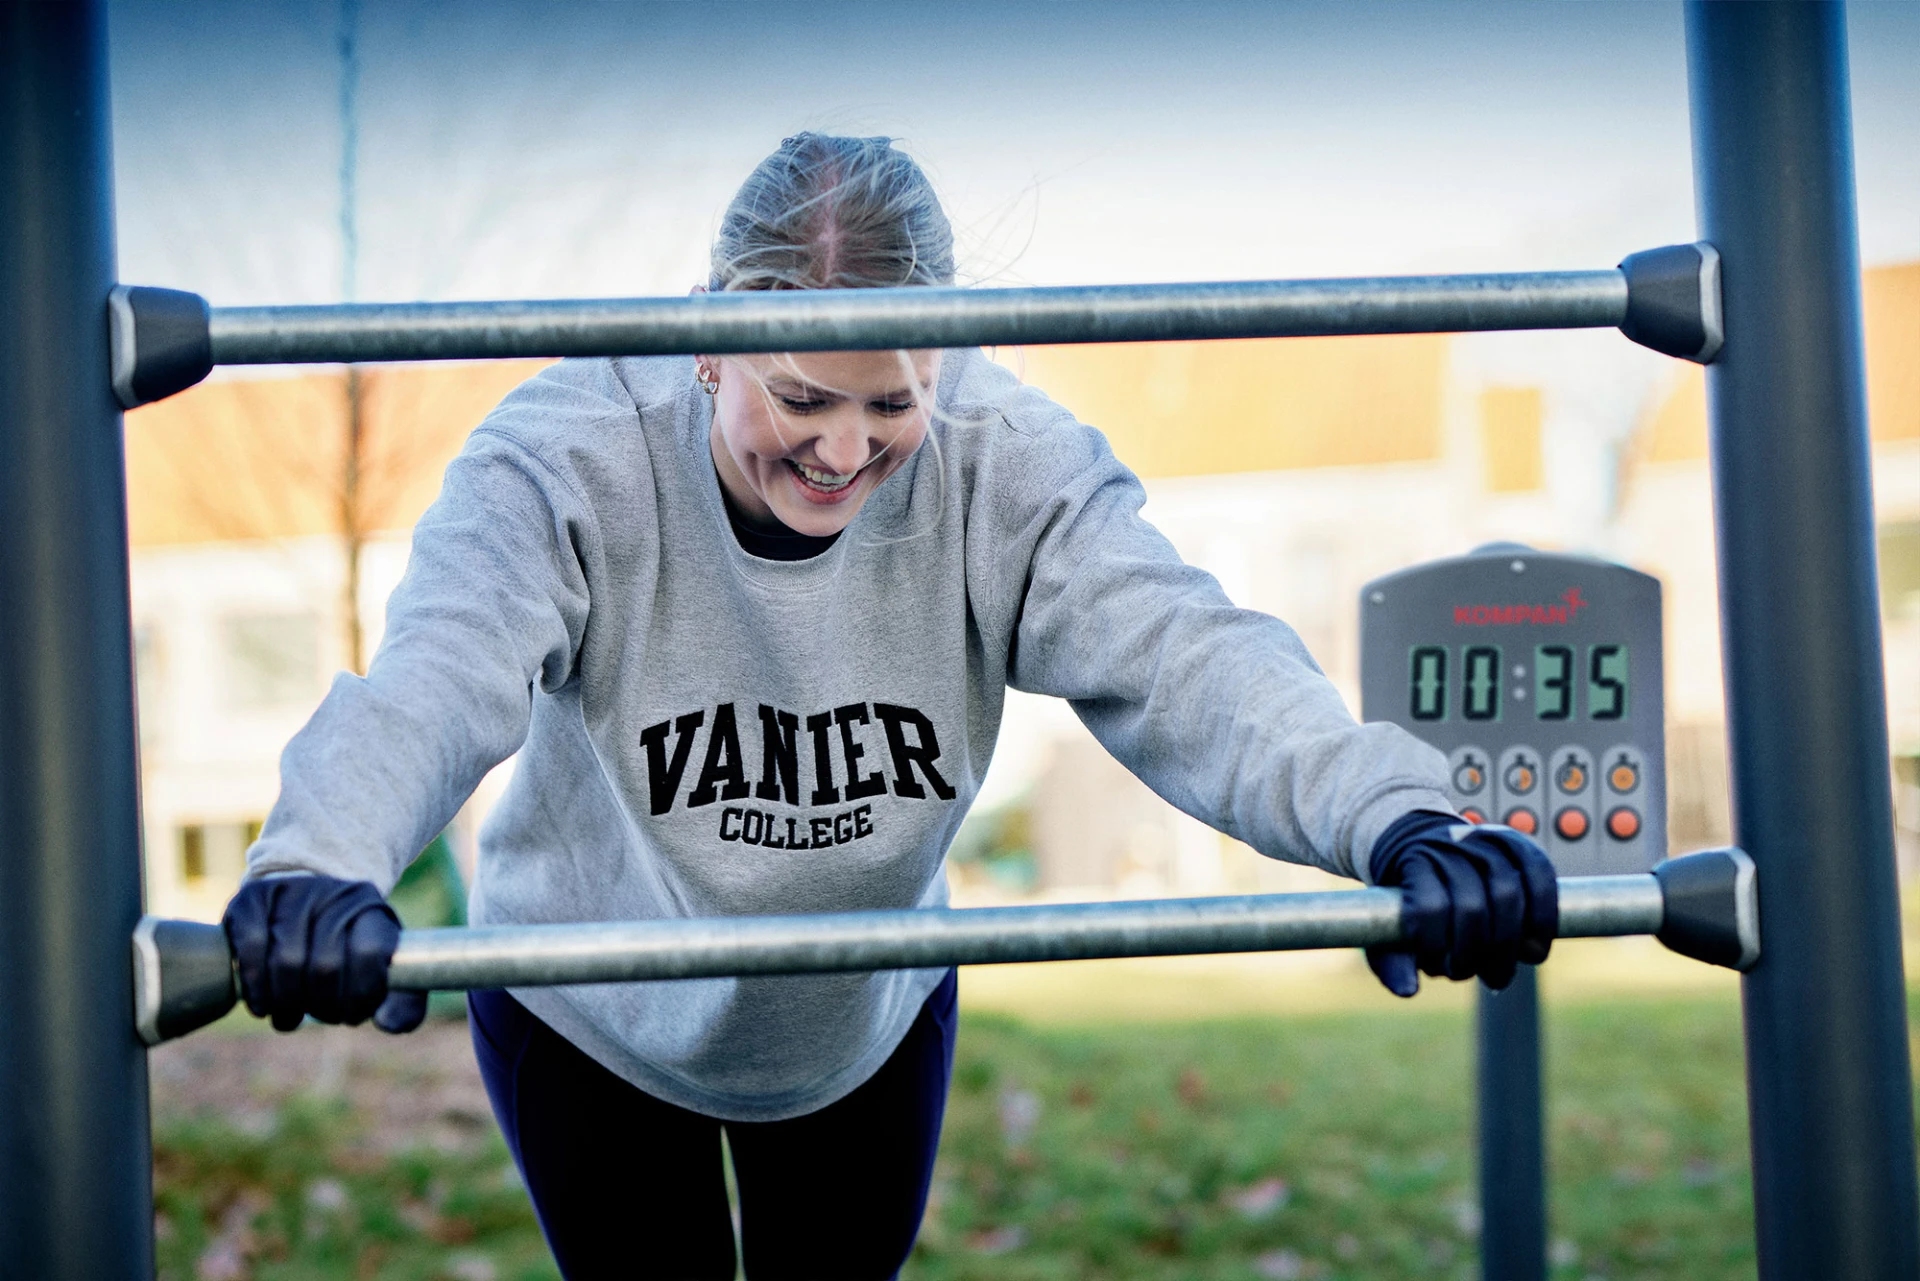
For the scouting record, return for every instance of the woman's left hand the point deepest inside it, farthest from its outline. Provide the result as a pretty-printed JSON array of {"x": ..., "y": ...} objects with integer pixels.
[{"x": 1478, "y": 899}]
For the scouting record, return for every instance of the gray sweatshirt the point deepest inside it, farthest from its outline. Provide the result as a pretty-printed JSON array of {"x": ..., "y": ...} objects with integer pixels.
[{"x": 705, "y": 733}]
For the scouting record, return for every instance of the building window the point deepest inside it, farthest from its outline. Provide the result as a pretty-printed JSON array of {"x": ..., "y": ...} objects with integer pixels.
[
  {"x": 216, "y": 853},
  {"x": 272, "y": 660}
]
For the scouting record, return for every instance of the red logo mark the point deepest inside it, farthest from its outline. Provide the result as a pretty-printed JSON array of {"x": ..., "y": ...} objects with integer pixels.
[{"x": 1572, "y": 602}]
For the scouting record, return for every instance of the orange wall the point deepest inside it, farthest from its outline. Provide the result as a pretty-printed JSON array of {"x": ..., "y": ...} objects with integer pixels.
[{"x": 1202, "y": 408}]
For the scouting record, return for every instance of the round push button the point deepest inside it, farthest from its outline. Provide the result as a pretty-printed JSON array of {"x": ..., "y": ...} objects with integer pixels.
[
  {"x": 1572, "y": 776},
  {"x": 1473, "y": 815},
  {"x": 1470, "y": 777},
  {"x": 1623, "y": 824},
  {"x": 1623, "y": 777},
  {"x": 1571, "y": 823},
  {"x": 1522, "y": 820},
  {"x": 1520, "y": 777}
]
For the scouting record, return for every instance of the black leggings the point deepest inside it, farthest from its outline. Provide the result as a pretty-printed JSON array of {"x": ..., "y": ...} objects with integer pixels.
[{"x": 628, "y": 1186}]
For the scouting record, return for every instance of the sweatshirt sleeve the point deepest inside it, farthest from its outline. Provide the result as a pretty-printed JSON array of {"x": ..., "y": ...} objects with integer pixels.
[
  {"x": 494, "y": 599},
  {"x": 1220, "y": 710}
]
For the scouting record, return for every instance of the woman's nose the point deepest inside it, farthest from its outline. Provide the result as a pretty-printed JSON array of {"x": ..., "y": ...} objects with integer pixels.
[{"x": 843, "y": 449}]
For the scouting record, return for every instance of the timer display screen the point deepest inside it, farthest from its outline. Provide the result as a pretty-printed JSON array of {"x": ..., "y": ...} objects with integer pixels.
[
  {"x": 1466, "y": 681},
  {"x": 1514, "y": 664}
]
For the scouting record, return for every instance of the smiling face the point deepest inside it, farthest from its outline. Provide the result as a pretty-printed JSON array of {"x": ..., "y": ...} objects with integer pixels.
[{"x": 805, "y": 438}]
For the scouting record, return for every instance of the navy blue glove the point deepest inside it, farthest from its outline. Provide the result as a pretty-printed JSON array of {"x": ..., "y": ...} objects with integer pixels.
[
  {"x": 1477, "y": 900},
  {"x": 318, "y": 945}
]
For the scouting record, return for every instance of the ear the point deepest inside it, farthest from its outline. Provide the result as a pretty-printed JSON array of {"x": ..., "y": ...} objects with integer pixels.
[{"x": 699, "y": 359}]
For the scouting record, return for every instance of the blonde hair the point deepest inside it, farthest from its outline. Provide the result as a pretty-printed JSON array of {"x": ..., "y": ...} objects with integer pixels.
[{"x": 831, "y": 212}]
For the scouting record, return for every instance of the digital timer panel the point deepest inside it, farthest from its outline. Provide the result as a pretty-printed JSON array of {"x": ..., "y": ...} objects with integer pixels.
[
  {"x": 1539, "y": 676},
  {"x": 1559, "y": 685}
]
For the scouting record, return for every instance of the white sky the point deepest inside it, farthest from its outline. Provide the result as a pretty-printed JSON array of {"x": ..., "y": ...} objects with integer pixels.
[{"x": 512, "y": 148}]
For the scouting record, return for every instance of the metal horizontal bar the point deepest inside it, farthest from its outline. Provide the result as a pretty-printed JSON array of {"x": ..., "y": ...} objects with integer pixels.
[
  {"x": 537, "y": 955},
  {"x": 871, "y": 319}
]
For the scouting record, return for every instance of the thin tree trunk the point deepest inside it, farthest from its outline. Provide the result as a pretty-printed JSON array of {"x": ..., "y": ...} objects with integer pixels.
[{"x": 352, "y": 535}]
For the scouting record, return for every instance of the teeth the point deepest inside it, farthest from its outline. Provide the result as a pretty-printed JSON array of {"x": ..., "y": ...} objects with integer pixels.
[{"x": 824, "y": 479}]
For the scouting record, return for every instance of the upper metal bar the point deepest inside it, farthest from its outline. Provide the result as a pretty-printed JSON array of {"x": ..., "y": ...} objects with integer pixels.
[
  {"x": 872, "y": 319},
  {"x": 538, "y": 955}
]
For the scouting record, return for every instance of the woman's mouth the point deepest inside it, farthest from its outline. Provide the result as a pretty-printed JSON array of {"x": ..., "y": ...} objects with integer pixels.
[{"x": 818, "y": 485}]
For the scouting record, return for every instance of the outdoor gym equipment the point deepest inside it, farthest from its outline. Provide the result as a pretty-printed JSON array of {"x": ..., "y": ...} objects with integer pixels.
[
  {"x": 1541, "y": 677},
  {"x": 1703, "y": 906},
  {"x": 165, "y": 340},
  {"x": 1829, "y": 1082}
]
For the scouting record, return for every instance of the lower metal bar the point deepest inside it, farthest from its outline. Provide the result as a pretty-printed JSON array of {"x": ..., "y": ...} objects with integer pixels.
[
  {"x": 489, "y": 956},
  {"x": 1702, "y": 905},
  {"x": 871, "y": 319}
]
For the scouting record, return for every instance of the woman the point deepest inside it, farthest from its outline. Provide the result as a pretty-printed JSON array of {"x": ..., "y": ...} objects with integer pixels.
[{"x": 748, "y": 621}]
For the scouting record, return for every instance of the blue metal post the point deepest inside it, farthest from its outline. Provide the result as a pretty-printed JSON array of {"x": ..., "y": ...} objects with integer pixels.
[
  {"x": 75, "y": 1182},
  {"x": 1829, "y": 1084},
  {"x": 1513, "y": 1166}
]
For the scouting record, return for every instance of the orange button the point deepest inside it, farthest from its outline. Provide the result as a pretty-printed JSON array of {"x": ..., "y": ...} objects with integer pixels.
[
  {"x": 1522, "y": 820},
  {"x": 1624, "y": 777},
  {"x": 1623, "y": 824},
  {"x": 1571, "y": 823},
  {"x": 1473, "y": 815}
]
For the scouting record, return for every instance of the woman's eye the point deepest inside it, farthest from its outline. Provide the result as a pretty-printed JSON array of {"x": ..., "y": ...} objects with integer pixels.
[
  {"x": 893, "y": 408},
  {"x": 803, "y": 404}
]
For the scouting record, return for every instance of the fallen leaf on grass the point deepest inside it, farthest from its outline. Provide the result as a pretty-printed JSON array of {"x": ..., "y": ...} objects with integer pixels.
[
  {"x": 997, "y": 1240},
  {"x": 228, "y": 1255},
  {"x": 471, "y": 1267},
  {"x": 1280, "y": 1265},
  {"x": 327, "y": 1195},
  {"x": 1258, "y": 1200},
  {"x": 1019, "y": 1113}
]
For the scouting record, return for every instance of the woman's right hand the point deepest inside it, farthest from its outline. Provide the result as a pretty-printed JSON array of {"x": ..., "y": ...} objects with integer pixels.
[{"x": 320, "y": 946}]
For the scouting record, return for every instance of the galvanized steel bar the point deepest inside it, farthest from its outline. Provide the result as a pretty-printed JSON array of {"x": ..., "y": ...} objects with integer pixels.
[
  {"x": 870, "y": 319},
  {"x": 536, "y": 955}
]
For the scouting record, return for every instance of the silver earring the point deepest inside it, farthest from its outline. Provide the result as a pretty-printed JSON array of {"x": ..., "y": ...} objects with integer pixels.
[{"x": 708, "y": 380}]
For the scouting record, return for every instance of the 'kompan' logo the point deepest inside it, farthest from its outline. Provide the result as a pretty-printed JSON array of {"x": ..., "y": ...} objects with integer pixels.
[{"x": 1506, "y": 615}]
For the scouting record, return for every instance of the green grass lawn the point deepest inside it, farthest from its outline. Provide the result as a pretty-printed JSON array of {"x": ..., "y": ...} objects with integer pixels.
[
  {"x": 1333, "y": 1146},
  {"x": 1314, "y": 1145}
]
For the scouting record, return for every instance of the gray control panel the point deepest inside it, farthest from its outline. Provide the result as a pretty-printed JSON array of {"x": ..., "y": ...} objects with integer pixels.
[{"x": 1539, "y": 676}]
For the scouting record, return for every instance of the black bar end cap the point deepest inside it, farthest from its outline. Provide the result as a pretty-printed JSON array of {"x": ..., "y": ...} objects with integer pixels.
[
  {"x": 1673, "y": 301},
  {"x": 1712, "y": 907},
  {"x": 182, "y": 977},
  {"x": 161, "y": 340}
]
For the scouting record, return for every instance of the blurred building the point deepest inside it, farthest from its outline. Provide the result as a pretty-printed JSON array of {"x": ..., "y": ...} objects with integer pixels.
[
  {"x": 1294, "y": 471},
  {"x": 246, "y": 501}
]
